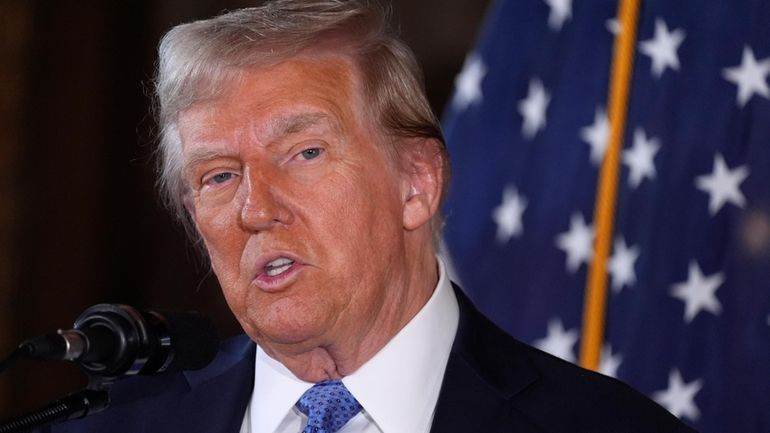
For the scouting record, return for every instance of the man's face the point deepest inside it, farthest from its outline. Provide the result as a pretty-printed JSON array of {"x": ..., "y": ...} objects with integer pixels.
[{"x": 300, "y": 209}]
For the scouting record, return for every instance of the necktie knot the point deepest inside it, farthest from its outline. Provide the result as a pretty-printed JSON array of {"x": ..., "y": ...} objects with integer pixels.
[{"x": 328, "y": 406}]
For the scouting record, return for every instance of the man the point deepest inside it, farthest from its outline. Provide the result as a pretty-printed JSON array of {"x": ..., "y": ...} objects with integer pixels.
[{"x": 299, "y": 147}]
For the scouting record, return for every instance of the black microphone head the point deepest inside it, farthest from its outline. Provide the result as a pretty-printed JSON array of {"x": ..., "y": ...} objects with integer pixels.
[
  {"x": 123, "y": 341},
  {"x": 194, "y": 341}
]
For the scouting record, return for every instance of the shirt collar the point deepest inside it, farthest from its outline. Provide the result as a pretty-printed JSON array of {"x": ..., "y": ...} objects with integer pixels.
[
  {"x": 412, "y": 363},
  {"x": 276, "y": 390}
]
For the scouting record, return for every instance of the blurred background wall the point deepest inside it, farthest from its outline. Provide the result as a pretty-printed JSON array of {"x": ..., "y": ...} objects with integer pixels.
[{"x": 80, "y": 223}]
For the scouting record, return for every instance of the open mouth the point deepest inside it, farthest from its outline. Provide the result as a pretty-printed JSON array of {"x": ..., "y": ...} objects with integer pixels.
[
  {"x": 277, "y": 274},
  {"x": 278, "y": 266}
]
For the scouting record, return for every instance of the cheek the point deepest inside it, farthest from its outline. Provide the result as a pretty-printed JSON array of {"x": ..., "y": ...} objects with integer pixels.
[
  {"x": 361, "y": 221},
  {"x": 224, "y": 244},
  {"x": 215, "y": 224},
  {"x": 354, "y": 207}
]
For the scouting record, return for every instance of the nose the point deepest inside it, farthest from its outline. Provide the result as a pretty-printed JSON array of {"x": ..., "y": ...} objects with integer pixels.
[{"x": 263, "y": 207}]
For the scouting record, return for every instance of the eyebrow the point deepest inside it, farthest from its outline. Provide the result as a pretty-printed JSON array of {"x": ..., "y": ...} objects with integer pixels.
[
  {"x": 296, "y": 123},
  {"x": 277, "y": 127},
  {"x": 197, "y": 157}
]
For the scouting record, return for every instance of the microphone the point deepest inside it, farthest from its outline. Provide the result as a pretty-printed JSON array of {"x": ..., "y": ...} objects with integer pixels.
[{"x": 114, "y": 340}]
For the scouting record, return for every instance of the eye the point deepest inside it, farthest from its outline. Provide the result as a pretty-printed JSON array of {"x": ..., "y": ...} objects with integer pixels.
[
  {"x": 312, "y": 153},
  {"x": 219, "y": 178}
]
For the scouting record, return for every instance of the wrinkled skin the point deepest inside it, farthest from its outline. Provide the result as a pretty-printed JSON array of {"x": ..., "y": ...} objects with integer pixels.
[{"x": 287, "y": 165}]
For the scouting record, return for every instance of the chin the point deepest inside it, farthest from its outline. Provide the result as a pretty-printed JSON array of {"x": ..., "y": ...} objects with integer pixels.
[{"x": 279, "y": 325}]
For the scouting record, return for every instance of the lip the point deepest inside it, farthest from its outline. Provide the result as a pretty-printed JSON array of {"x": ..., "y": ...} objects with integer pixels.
[{"x": 276, "y": 283}]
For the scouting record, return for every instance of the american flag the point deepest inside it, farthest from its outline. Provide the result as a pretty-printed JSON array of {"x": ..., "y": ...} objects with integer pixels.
[{"x": 688, "y": 276}]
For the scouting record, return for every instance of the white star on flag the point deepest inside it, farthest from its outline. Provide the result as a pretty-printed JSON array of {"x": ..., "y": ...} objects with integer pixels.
[
  {"x": 532, "y": 108},
  {"x": 621, "y": 264},
  {"x": 508, "y": 215},
  {"x": 613, "y": 26},
  {"x": 750, "y": 76},
  {"x": 679, "y": 397},
  {"x": 699, "y": 292},
  {"x": 468, "y": 83},
  {"x": 577, "y": 243},
  {"x": 559, "y": 342},
  {"x": 609, "y": 363},
  {"x": 597, "y": 135},
  {"x": 561, "y": 11},
  {"x": 723, "y": 185},
  {"x": 662, "y": 48},
  {"x": 639, "y": 158}
]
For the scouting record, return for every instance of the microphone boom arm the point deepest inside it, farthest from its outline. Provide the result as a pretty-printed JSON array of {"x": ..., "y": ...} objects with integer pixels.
[{"x": 77, "y": 405}]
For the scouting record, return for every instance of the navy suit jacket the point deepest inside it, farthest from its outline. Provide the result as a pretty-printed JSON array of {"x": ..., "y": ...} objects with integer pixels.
[{"x": 492, "y": 383}]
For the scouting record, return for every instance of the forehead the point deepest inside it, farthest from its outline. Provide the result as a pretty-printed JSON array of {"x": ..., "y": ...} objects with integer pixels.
[{"x": 296, "y": 94}]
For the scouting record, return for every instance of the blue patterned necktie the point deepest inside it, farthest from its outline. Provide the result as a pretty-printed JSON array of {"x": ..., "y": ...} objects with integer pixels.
[{"x": 328, "y": 406}]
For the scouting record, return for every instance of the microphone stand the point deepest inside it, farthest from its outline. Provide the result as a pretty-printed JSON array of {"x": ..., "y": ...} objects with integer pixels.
[
  {"x": 90, "y": 400},
  {"x": 125, "y": 341}
]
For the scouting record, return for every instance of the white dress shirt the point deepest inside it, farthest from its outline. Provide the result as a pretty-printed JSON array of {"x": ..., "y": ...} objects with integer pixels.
[{"x": 398, "y": 387}]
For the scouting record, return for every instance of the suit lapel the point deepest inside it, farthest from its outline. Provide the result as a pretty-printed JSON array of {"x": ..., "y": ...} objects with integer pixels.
[
  {"x": 220, "y": 393},
  {"x": 486, "y": 370}
]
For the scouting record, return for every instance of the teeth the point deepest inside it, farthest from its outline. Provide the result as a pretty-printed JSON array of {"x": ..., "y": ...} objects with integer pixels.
[
  {"x": 278, "y": 266},
  {"x": 276, "y": 271},
  {"x": 281, "y": 261}
]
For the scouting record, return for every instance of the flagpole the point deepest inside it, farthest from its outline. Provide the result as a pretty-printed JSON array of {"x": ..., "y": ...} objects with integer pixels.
[{"x": 594, "y": 306}]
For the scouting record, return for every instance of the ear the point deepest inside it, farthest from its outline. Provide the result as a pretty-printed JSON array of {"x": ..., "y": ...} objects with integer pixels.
[{"x": 423, "y": 165}]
